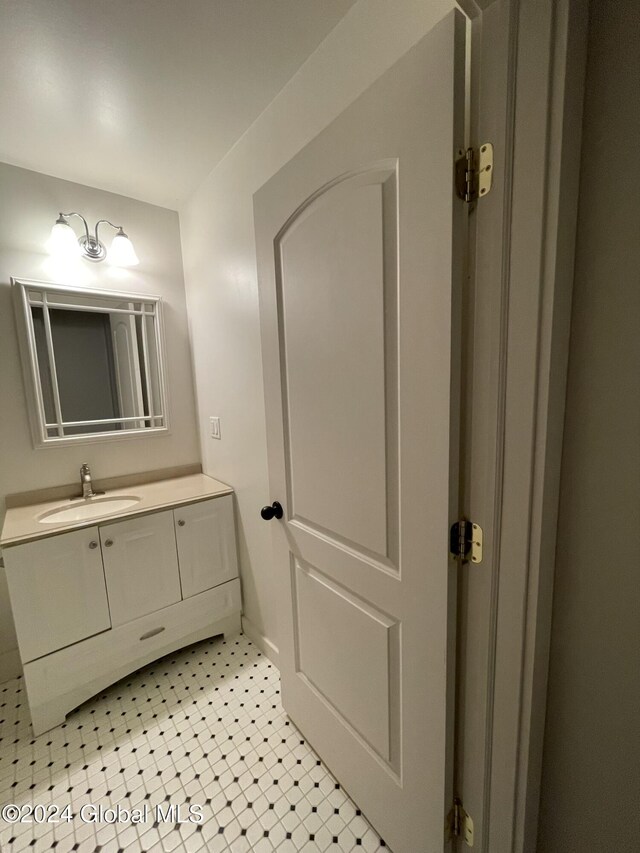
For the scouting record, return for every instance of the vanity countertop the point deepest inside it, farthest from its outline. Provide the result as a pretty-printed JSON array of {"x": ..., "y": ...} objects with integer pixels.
[{"x": 21, "y": 523}]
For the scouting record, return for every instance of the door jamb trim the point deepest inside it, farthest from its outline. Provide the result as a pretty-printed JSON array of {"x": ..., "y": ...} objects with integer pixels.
[{"x": 543, "y": 111}]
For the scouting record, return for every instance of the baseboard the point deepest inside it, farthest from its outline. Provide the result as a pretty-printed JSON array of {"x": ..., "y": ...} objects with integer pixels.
[
  {"x": 263, "y": 643},
  {"x": 10, "y": 665}
]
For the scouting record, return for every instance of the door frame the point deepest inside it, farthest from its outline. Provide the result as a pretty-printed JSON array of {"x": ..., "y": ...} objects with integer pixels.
[{"x": 527, "y": 80}]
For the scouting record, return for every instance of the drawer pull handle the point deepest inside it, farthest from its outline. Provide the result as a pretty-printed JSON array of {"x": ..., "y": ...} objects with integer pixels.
[
  {"x": 108, "y": 543},
  {"x": 152, "y": 633},
  {"x": 93, "y": 545},
  {"x": 181, "y": 522}
]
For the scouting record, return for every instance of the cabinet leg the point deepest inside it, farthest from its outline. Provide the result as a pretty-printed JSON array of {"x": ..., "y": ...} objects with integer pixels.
[
  {"x": 230, "y": 626},
  {"x": 48, "y": 716}
]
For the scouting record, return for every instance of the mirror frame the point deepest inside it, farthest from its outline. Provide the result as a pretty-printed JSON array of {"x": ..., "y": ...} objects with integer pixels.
[{"x": 31, "y": 373}]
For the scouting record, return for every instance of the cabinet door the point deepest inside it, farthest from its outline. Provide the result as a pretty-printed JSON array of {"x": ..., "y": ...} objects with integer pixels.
[
  {"x": 140, "y": 565},
  {"x": 206, "y": 538},
  {"x": 57, "y": 591}
]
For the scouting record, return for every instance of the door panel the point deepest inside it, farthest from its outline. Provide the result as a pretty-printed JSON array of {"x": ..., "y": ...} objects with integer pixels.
[
  {"x": 362, "y": 691},
  {"x": 57, "y": 589},
  {"x": 331, "y": 288},
  {"x": 359, "y": 240},
  {"x": 127, "y": 365},
  {"x": 206, "y": 537},
  {"x": 141, "y": 565}
]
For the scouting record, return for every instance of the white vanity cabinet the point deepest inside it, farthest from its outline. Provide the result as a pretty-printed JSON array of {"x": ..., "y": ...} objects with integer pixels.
[
  {"x": 57, "y": 591},
  {"x": 141, "y": 565},
  {"x": 92, "y": 605},
  {"x": 206, "y": 544}
]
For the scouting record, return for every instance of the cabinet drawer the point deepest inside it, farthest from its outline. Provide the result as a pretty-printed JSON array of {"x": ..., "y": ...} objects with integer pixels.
[
  {"x": 72, "y": 675},
  {"x": 206, "y": 538},
  {"x": 140, "y": 565},
  {"x": 57, "y": 591}
]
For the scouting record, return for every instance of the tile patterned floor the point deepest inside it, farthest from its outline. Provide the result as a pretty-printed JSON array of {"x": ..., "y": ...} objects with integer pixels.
[{"x": 202, "y": 727}]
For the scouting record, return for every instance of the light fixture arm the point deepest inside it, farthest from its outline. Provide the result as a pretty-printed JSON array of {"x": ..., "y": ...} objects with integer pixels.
[
  {"x": 91, "y": 246},
  {"x": 64, "y": 216},
  {"x": 118, "y": 228}
]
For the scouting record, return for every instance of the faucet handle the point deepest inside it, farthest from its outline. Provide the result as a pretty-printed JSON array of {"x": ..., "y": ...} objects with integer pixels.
[{"x": 84, "y": 468}]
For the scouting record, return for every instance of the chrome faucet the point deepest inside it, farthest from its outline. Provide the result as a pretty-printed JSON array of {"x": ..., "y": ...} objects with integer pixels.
[{"x": 85, "y": 479}]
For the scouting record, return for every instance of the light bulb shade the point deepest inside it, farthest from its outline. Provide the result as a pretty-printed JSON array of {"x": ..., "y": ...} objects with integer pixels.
[
  {"x": 122, "y": 253},
  {"x": 63, "y": 241}
]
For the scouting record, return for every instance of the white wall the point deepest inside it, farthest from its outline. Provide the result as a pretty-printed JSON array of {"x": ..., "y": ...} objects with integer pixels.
[
  {"x": 590, "y": 783},
  {"x": 30, "y": 204},
  {"x": 220, "y": 265}
]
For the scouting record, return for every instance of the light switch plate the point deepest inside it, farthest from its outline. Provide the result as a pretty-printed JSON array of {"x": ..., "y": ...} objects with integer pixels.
[{"x": 214, "y": 425}]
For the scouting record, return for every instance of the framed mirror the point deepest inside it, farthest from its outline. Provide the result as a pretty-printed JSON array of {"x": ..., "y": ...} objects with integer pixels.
[{"x": 93, "y": 362}]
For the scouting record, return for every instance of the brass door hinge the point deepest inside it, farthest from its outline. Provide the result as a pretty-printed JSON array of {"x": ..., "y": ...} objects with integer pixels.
[
  {"x": 474, "y": 172},
  {"x": 460, "y": 823},
  {"x": 465, "y": 541}
]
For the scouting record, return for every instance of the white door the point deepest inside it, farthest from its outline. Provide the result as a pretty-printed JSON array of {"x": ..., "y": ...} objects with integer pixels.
[
  {"x": 140, "y": 565},
  {"x": 359, "y": 239},
  {"x": 206, "y": 537},
  {"x": 127, "y": 366},
  {"x": 57, "y": 591}
]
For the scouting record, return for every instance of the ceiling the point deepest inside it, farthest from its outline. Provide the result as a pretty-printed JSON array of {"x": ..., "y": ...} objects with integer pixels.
[{"x": 144, "y": 97}]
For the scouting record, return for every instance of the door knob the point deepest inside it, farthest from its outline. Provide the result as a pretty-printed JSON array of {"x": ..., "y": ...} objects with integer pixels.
[
  {"x": 181, "y": 522},
  {"x": 273, "y": 511},
  {"x": 93, "y": 545},
  {"x": 108, "y": 543}
]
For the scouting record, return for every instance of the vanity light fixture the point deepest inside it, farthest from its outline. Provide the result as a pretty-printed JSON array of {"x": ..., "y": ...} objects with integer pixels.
[{"x": 63, "y": 242}]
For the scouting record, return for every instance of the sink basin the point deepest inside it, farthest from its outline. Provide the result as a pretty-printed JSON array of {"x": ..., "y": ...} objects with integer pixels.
[{"x": 91, "y": 508}]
